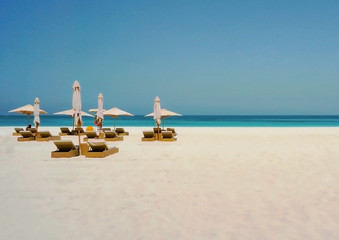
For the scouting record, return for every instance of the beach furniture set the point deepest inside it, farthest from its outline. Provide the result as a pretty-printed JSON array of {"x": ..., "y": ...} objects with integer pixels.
[
  {"x": 90, "y": 149},
  {"x": 66, "y": 149},
  {"x": 160, "y": 135}
]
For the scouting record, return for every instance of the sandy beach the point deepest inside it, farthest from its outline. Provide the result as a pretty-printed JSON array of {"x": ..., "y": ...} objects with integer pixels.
[{"x": 213, "y": 183}]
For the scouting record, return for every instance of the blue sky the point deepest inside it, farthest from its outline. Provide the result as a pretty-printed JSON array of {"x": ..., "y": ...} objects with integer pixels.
[{"x": 199, "y": 57}]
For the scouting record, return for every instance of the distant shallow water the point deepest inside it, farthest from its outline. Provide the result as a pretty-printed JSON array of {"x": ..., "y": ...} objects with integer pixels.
[{"x": 185, "y": 121}]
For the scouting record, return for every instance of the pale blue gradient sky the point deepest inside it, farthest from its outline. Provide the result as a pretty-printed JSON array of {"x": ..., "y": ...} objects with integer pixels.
[{"x": 199, "y": 57}]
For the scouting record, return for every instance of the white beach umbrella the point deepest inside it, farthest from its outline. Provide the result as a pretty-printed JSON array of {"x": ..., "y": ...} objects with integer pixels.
[
  {"x": 28, "y": 110},
  {"x": 157, "y": 115},
  {"x": 96, "y": 110},
  {"x": 36, "y": 112},
  {"x": 164, "y": 114},
  {"x": 116, "y": 112},
  {"x": 76, "y": 103},
  {"x": 70, "y": 112},
  {"x": 100, "y": 112},
  {"x": 157, "y": 111}
]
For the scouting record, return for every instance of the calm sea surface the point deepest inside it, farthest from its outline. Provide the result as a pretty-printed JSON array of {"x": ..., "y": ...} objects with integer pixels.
[{"x": 184, "y": 121}]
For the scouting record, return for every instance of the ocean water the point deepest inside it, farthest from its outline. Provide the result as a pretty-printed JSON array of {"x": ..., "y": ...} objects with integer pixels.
[{"x": 184, "y": 121}]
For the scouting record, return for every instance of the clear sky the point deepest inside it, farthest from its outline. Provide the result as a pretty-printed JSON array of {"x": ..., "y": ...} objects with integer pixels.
[{"x": 199, "y": 57}]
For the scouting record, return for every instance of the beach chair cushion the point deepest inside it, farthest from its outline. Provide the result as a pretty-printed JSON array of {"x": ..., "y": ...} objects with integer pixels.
[
  {"x": 121, "y": 131},
  {"x": 98, "y": 146},
  {"x": 65, "y": 130},
  {"x": 155, "y": 130},
  {"x": 18, "y": 130},
  {"x": 110, "y": 134},
  {"x": 148, "y": 134},
  {"x": 91, "y": 134},
  {"x": 26, "y": 134},
  {"x": 100, "y": 150},
  {"x": 45, "y": 134},
  {"x": 106, "y": 129},
  {"x": 75, "y": 131},
  {"x": 65, "y": 149},
  {"x": 172, "y": 130},
  {"x": 167, "y": 134},
  {"x": 33, "y": 130},
  {"x": 64, "y": 145}
]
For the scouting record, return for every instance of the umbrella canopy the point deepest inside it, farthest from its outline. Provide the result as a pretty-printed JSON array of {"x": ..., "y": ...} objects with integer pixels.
[
  {"x": 76, "y": 103},
  {"x": 70, "y": 112},
  {"x": 100, "y": 112},
  {"x": 36, "y": 112},
  {"x": 28, "y": 110},
  {"x": 96, "y": 110},
  {"x": 116, "y": 112},
  {"x": 157, "y": 111},
  {"x": 165, "y": 113}
]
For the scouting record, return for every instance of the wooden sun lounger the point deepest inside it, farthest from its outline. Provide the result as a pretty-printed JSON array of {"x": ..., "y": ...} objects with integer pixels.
[
  {"x": 64, "y": 131},
  {"x": 172, "y": 130},
  {"x": 106, "y": 129},
  {"x": 100, "y": 150},
  {"x": 32, "y": 130},
  {"x": 75, "y": 131},
  {"x": 91, "y": 135},
  {"x": 26, "y": 136},
  {"x": 46, "y": 136},
  {"x": 121, "y": 132},
  {"x": 148, "y": 136},
  {"x": 17, "y": 131},
  {"x": 155, "y": 130},
  {"x": 112, "y": 136},
  {"x": 65, "y": 149},
  {"x": 167, "y": 136}
]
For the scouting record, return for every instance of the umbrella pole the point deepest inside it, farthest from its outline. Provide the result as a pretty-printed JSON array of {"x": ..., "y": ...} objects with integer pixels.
[
  {"x": 114, "y": 122},
  {"x": 78, "y": 125},
  {"x": 158, "y": 132}
]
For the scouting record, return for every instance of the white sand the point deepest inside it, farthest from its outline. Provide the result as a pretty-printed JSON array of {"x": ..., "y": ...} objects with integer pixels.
[{"x": 213, "y": 183}]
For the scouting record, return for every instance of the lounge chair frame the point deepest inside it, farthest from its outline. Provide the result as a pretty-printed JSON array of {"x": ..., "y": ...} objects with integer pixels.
[
  {"x": 96, "y": 154},
  {"x": 149, "y": 136},
  {"x": 26, "y": 136},
  {"x": 74, "y": 151}
]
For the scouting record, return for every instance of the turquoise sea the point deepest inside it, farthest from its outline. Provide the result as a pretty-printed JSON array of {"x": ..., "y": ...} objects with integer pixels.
[{"x": 184, "y": 121}]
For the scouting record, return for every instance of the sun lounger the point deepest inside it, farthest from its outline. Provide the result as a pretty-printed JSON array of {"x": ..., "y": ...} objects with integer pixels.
[
  {"x": 112, "y": 136},
  {"x": 155, "y": 130},
  {"x": 148, "y": 136},
  {"x": 26, "y": 136},
  {"x": 91, "y": 135},
  {"x": 105, "y": 129},
  {"x": 65, "y": 131},
  {"x": 46, "y": 136},
  {"x": 121, "y": 132},
  {"x": 75, "y": 131},
  {"x": 100, "y": 150},
  {"x": 32, "y": 130},
  {"x": 172, "y": 130},
  {"x": 17, "y": 131},
  {"x": 167, "y": 136},
  {"x": 65, "y": 149}
]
